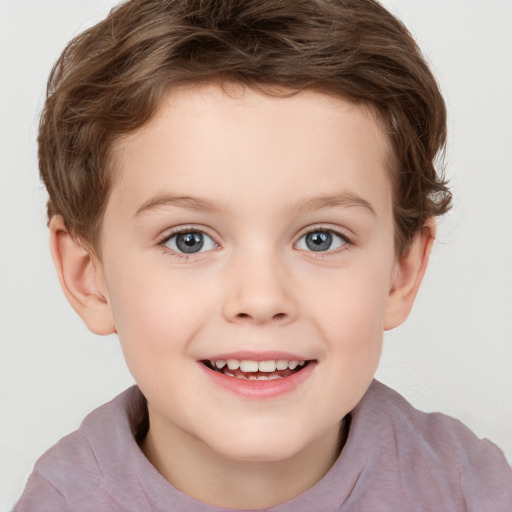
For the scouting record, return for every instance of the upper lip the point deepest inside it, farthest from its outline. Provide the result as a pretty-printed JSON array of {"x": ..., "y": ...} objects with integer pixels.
[{"x": 257, "y": 356}]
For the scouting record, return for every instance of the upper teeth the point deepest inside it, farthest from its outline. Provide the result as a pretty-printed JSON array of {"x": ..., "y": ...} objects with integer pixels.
[{"x": 247, "y": 365}]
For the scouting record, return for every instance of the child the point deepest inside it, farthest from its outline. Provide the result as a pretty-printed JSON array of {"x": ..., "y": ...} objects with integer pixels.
[{"x": 245, "y": 193}]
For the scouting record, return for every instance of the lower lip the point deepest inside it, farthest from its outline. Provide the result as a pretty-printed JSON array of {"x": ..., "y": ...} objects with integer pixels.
[{"x": 260, "y": 389}]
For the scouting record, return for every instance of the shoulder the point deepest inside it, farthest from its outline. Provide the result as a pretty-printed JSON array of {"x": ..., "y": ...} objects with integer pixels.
[
  {"x": 440, "y": 436},
  {"x": 435, "y": 448},
  {"x": 74, "y": 472},
  {"x": 41, "y": 496},
  {"x": 54, "y": 480}
]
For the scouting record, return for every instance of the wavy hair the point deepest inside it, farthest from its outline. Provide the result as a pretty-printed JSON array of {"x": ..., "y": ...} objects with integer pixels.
[{"x": 110, "y": 79}]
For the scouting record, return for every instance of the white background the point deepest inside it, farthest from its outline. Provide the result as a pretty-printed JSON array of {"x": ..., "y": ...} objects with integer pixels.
[{"x": 455, "y": 352}]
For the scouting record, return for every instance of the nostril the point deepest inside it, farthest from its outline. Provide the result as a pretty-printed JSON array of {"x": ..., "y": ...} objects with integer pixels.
[{"x": 277, "y": 316}]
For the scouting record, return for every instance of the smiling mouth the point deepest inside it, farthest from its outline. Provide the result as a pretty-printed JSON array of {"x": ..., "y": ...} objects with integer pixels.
[{"x": 256, "y": 370}]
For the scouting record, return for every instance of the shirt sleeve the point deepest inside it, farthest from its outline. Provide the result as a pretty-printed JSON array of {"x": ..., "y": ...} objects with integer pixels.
[
  {"x": 486, "y": 479},
  {"x": 40, "y": 496}
]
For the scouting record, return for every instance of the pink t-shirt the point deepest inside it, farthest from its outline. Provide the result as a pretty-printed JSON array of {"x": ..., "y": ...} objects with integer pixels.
[{"x": 396, "y": 458}]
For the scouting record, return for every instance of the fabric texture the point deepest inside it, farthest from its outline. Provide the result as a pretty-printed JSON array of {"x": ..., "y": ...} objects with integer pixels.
[{"x": 396, "y": 458}]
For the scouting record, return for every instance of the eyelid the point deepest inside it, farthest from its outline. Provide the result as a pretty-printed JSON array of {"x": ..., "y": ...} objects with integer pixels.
[
  {"x": 185, "y": 228},
  {"x": 341, "y": 232}
]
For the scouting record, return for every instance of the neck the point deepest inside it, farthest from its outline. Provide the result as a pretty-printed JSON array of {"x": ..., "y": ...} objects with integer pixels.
[{"x": 198, "y": 471}]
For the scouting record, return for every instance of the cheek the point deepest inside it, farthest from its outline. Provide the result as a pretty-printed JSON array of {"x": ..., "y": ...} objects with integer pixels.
[
  {"x": 348, "y": 309},
  {"x": 157, "y": 313},
  {"x": 351, "y": 300}
]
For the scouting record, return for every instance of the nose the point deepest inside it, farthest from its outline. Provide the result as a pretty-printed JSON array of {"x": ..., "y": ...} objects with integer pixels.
[{"x": 259, "y": 292}]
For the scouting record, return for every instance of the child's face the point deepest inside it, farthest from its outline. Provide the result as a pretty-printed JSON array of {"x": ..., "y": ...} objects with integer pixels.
[{"x": 284, "y": 206}]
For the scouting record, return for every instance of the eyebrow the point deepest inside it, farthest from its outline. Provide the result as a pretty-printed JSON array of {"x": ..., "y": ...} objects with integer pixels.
[
  {"x": 189, "y": 202},
  {"x": 344, "y": 199}
]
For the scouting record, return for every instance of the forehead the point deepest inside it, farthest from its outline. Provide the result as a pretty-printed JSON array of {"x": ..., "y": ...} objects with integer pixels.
[{"x": 242, "y": 146}]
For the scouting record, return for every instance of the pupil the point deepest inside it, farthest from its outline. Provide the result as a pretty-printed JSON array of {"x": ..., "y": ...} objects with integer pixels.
[
  {"x": 319, "y": 240},
  {"x": 189, "y": 242}
]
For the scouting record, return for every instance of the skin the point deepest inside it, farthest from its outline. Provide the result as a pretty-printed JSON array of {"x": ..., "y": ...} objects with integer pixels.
[{"x": 258, "y": 173}]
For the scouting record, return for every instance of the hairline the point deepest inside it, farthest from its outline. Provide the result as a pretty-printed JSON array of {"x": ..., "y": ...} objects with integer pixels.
[{"x": 113, "y": 156}]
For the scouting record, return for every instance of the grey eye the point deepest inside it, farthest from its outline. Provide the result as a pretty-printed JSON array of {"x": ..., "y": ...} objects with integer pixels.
[
  {"x": 190, "y": 242},
  {"x": 321, "y": 241}
]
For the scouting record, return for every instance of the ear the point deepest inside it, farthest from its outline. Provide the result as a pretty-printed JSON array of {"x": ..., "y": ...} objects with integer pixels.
[
  {"x": 81, "y": 278},
  {"x": 408, "y": 274}
]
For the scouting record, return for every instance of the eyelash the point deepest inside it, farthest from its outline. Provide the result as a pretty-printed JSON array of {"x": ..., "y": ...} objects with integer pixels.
[
  {"x": 178, "y": 231},
  {"x": 324, "y": 254},
  {"x": 192, "y": 229}
]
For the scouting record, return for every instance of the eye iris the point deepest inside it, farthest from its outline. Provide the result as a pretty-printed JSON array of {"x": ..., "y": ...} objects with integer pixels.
[
  {"x": 189, "y": 242},
  {"x": 319, "y": 240}
]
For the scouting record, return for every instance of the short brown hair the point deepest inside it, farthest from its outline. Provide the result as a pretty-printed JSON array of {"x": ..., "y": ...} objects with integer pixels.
[{"x": 109, "y": 81}]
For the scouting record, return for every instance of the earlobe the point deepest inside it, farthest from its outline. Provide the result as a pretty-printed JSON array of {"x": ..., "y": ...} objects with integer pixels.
[
  {"x": 409, "y": 272},
  {"x": 81, "y": 278}
]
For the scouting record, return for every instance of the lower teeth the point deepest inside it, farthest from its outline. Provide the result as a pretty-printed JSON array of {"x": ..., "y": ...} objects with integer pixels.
[{"x": 254, "y": 377}]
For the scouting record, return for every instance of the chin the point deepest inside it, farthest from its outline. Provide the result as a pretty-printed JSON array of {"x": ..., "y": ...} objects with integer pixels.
[
  {"x": 259, "y": 446},
  {"x": 259, "y": 455}
]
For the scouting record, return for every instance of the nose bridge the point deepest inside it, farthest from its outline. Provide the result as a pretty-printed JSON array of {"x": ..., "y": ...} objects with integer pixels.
[{"x": 259, "y": 288}]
